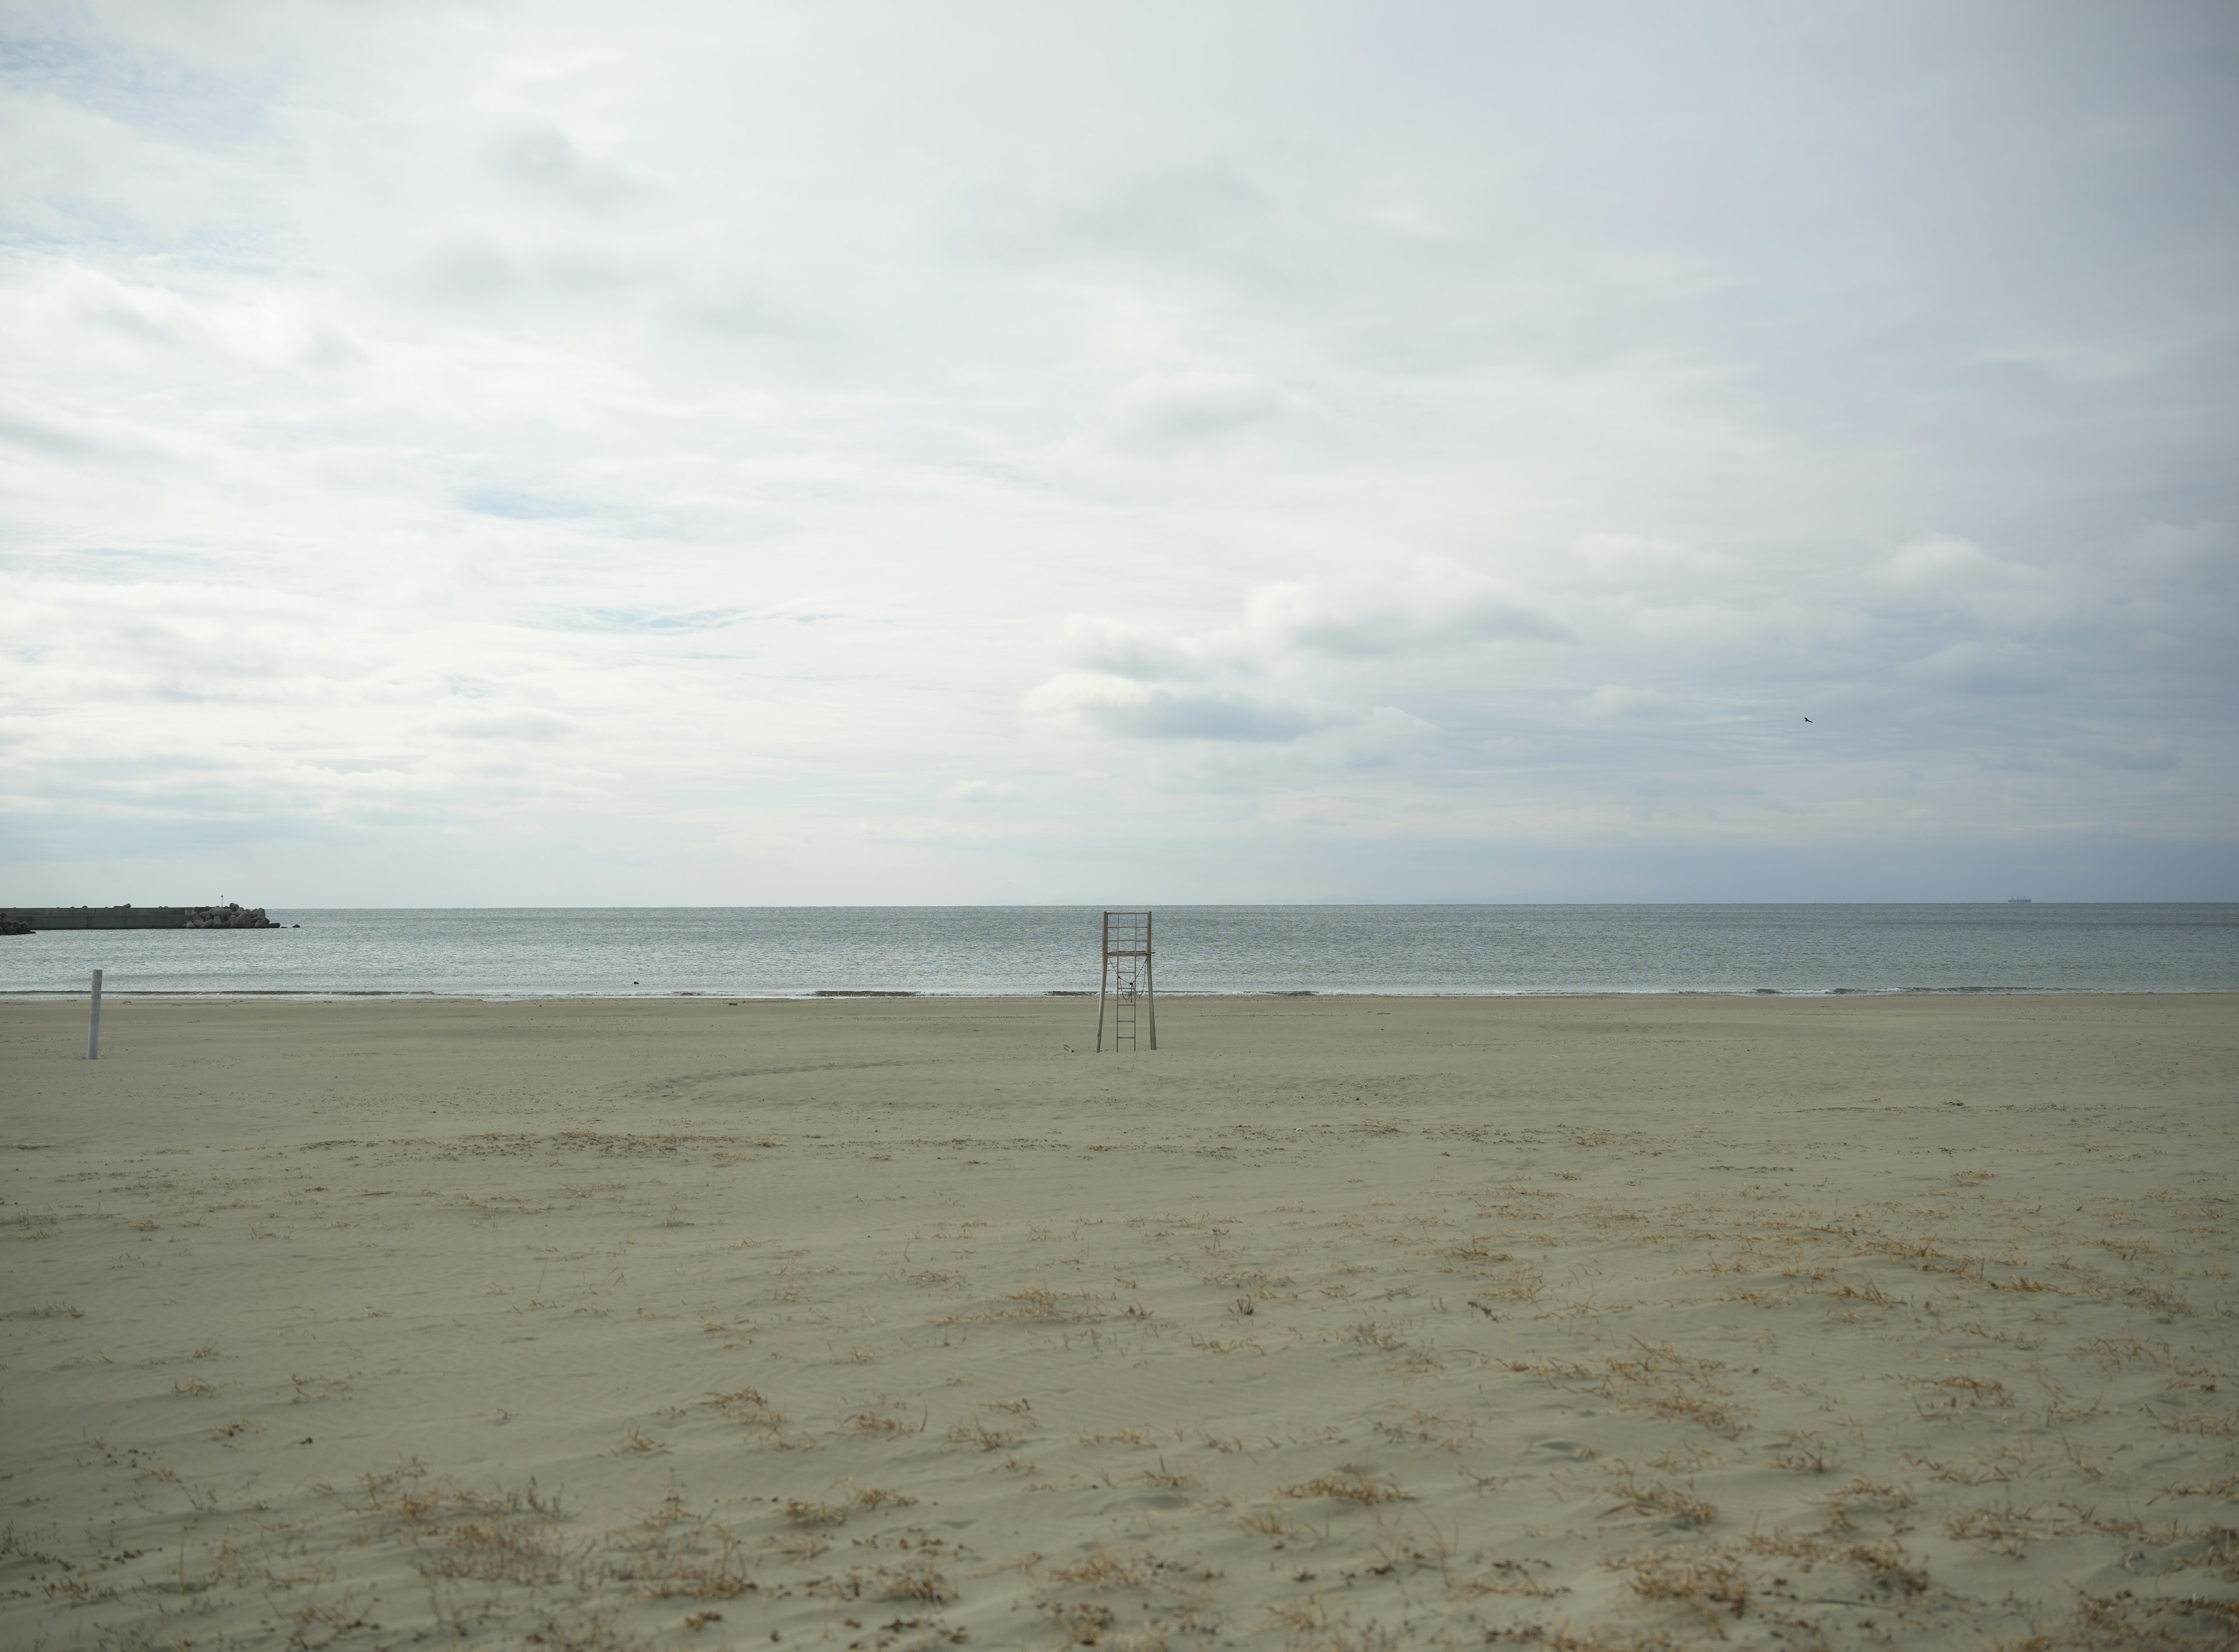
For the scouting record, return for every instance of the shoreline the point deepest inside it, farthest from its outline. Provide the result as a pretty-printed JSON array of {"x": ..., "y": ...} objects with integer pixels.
[{"x": 341, "y": 995}]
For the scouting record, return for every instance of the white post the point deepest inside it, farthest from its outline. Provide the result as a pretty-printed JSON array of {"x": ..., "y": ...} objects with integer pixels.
[{"x": 93, "y": 1027}]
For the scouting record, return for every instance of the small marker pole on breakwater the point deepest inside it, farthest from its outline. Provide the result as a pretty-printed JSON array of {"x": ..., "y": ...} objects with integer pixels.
[{"x": 93, "y": 1027}]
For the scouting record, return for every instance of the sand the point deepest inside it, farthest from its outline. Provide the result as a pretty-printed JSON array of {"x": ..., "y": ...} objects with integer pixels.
[{"x": 1335, "y": 1323}]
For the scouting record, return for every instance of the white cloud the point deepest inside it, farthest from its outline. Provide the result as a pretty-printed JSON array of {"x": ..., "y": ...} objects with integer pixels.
[
  {"x": 1168, "y": 408},
  {"x": 1128, "y": 651},
  {"x": 1955, "y": 573},
  {"x": 1616, "y": 700},
  {"x": 1979, "y": 668},
  {"x": 1426, "y": 607},
  {"x": 1128, "y": 709},
  {"x": 540, "y": 155},
  {"x": 979, "y": 791},
  {"x": 1635, "y": 559}
]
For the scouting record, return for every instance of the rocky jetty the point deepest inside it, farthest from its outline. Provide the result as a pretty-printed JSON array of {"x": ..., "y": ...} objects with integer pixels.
[
  {"x": 22, "y": 920},
  {"x": 229, "y": 916}
]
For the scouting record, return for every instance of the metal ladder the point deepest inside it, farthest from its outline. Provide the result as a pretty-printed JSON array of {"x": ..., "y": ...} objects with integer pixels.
[{"x": 1123, "y": 1005}]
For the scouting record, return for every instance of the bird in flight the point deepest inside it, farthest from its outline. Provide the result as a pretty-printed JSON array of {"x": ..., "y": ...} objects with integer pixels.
[{"x": 1807, "y": 719}]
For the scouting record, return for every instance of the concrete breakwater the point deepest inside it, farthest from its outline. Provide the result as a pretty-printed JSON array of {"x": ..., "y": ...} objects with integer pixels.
[{"x": 229, "y": 916}]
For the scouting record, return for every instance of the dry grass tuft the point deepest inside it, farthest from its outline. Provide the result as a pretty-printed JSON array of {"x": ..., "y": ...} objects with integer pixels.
[
  {"x": 406, "y": 1497},
  {"x": 1661, "y": 1501},
  {"x": 1860, "y": 1489},
  {"x": 987, "y": 1439},
  {"x": 1887, "y": 1563},
  {"x": 1867, "y": 1292},
  {"x": 1102, "y": 1570},
  {"x": 871, "y": 1423},
  {"x": 1114, "y": 1436},
  {"x": 1170, "y": 1479},
  {"x": 1657, "y": 1377},
  {"x": 918, "y": 1582},
  {"x": 1804, "y": 1453},
  {"x": 1348, "y": 1485},
  {"x": 1977, "y": 1390},
  {"x": 2006, "y": 1530},
  {"x": 1704, "y": 1580},
  {"x": 458, "y": 1533},
  {"x": 496, "y": 1552},
  {"x": 677, "y": 1552},
  {"x": 869, "y": 1497},
  {"x": 1036, "y": 1303},
  {"x": 1513, "y": 1577},
  {"x": 746, "y": 1405},
  {"x": 1085, "y": 1623},
  {"x": 1297, "y": 1619},
  {"x": 1594, "y": 1640},
  {"x": 2125, "y": 1621}
]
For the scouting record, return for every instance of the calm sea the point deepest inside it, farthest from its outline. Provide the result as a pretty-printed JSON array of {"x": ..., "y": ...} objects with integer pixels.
[{"x": 790, "y": 951}]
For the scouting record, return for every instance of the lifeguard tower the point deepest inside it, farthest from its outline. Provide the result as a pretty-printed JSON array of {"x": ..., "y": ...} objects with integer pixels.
[{"x": 1126, "y": 981}]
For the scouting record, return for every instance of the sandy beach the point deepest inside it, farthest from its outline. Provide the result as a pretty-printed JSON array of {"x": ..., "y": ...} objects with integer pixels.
[{"x": 1608, "y": 1323}]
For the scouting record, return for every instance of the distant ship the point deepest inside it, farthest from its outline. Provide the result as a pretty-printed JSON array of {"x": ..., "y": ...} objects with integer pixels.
[{"x": 2019, "y": 900}]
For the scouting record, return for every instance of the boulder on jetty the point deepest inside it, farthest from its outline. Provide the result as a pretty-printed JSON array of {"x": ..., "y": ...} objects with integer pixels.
[{"x": 229, "y": 916}]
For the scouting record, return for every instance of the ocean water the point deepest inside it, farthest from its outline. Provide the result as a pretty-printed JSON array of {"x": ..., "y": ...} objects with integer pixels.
[{"x": 798, "y": 951}]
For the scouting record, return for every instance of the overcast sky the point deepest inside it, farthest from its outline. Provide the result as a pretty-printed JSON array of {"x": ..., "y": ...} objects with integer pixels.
[{"x": 523, "y": 454}]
